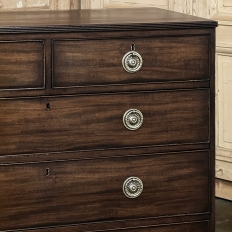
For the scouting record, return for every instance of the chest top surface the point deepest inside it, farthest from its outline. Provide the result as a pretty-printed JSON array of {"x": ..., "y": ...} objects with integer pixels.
[{"x": 103, "y": 20}]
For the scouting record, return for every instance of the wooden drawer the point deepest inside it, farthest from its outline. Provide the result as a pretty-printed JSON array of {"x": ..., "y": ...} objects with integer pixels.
[
  {"x": 99, "y": 62},
  {"x": 21, "y": 64},
  {"x": 96, "y": 121},
  {"x": 62, "y": 192}
]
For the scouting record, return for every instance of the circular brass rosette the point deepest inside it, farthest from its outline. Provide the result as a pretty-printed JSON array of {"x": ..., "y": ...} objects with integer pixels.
[
  {"x": 132, "y": 187},
  {"x": 133, "y": 119},
  {"x": 132, "y": 62}
]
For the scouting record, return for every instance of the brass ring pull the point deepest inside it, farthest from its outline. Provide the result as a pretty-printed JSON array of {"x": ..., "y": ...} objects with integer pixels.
[
  {"x": 132, "y": 62},
  {"x": 132, "y": 187},
  {"x": 133, "y": 119}
]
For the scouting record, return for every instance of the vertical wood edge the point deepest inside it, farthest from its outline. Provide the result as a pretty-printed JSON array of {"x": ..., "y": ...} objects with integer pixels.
[{"x": 212, "y": 127}]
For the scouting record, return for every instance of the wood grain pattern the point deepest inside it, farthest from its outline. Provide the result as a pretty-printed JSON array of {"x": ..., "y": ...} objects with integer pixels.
[
  {"x": 212, "y": 45},
  {"x": 88, "y": 122},
  {"x": 21, "y": 64},
  {"x": 108, "y": 19},
  {"x": 64, "y": 151},
  {"x": 91, "y": 190},
  {"x": 99, "y": 62}
]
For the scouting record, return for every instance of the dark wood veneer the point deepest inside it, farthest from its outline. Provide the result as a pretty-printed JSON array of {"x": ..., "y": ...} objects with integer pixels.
[
  {"x": 93, "y": 122},
  {"x": 22, "y": 65},
  {"x": 64, "y": 151},
  {"x": 98, "y": 20},
  {"x": 91, "y": 190},
  {"x": 99, "y": 62}
]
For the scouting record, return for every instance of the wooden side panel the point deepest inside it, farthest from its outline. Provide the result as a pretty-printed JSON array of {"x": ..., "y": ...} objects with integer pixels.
[
  {"x": 87, "y": 122},
  {"x": 99, "y": 62},
  {"x": 21, "y": 64},
  {"x": 58, "y": 193}
]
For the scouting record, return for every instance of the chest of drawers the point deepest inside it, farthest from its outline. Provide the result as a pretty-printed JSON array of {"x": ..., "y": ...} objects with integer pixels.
[{"x": 106, "y": 121}]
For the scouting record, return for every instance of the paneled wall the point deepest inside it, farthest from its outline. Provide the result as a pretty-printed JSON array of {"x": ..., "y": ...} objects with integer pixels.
[
  {"x": 39, "y": 4},
  {"x": 220, "y": 10},
  {"x": 224, "y": 100},
  {"x": 205, "y": 8},
  {"x": 202, "y": 8}
]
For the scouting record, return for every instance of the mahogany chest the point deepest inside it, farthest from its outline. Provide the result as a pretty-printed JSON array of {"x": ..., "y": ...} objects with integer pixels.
[{"x": 106, "y": 121}]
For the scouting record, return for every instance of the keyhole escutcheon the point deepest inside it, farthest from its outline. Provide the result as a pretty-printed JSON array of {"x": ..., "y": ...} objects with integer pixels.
[
  {"x": 132, "y": 47},
  {"x": 48, "y": 106},
  {"x": 47, "y": 171}
]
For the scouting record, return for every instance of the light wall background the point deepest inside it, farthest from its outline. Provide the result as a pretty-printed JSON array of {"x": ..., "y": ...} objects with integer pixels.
[
  {"x": 220, "y": 10},
  {"x": 205, "y": 8}
]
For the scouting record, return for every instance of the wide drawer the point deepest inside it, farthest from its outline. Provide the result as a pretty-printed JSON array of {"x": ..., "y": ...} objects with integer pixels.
[
  {"x": 50, "y": 124},
  {"x": 22, "y": 64},
  {"x": 62, "y": 192},
  {"x": 99, "y": 61}
]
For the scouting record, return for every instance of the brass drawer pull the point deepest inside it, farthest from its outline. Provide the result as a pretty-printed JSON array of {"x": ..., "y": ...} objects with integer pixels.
[
  {"x": 132, "y": 62},
  {"x": 133, "y": 119},
  {"x": 132, "y": 187}
]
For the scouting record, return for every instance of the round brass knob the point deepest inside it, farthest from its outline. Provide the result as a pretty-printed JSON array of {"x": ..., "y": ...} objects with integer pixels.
[
  {"x": 133, "y": 119},
  {"x": 132, "y": 62},
  {"x": 132, "y": 187}
]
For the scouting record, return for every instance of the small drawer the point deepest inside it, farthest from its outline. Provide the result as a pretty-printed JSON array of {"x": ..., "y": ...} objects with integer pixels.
[
  {"x": 21, "y": 65},
  {"x": 97, "y": 62},
  {"x": 55, "y": 124},
  {"x": 63, "y": 192}
]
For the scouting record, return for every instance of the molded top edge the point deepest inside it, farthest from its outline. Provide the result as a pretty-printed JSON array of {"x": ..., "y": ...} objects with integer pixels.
[{"x": 100, "y": 20}]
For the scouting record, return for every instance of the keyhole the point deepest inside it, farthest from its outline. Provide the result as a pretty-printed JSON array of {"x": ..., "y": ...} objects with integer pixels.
[
  {"x": 47, "y": 171},
  {"x": 133, "y": 47},
  {"x": 48, "y": 106}
]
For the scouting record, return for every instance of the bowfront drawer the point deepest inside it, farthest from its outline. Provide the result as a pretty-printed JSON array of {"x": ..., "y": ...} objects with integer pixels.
[
  {"x": 62, "y": 192},
  {"x": 21, "y": 64},
  {"x": 71, "y": 123},
  {"x": 100, "y": 62}
]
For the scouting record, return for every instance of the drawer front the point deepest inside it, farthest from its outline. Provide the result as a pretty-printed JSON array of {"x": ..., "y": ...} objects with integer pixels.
[
  {"x": 99, "y": 62},
  {"x": 56, "y": 193},
  {"x": 92, "y": 122},
  {"x": 21, "y": 64}
]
